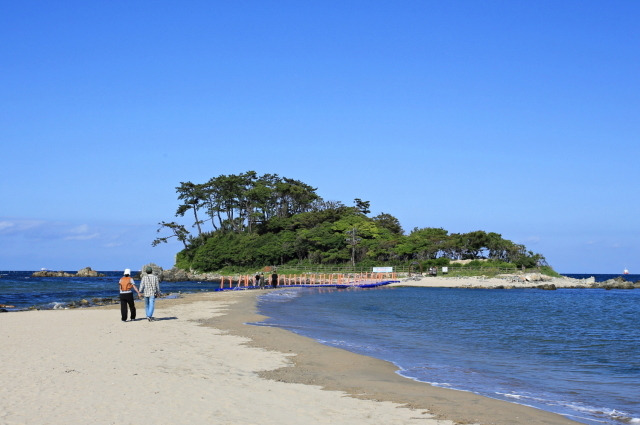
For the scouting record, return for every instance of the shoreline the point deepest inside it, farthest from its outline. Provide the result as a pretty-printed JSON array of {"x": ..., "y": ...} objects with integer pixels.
[
  {"x": 201, "y": 362},
  {"x": 369, "y": 378}
]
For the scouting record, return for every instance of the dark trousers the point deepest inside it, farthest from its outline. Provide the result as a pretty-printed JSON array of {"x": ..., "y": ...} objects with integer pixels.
[{"x": 127, "y": 299}]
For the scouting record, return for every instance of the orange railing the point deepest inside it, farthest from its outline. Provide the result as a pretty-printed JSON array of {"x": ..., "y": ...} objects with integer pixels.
[{"x": 311, "y": 279}]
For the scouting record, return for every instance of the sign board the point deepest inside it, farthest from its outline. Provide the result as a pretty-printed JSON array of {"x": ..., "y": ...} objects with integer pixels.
[{"x": 383, "y": 269}]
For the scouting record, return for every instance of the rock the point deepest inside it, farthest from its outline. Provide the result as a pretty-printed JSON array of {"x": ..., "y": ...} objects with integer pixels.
[
  {"x": 175, "y": 275},
  {"x": 205, "y": 277},
  {"x": 157, "y": 270},
  {"x": 547, "y": 287},
  {"x": 617, "y": 283},
  {"x": 88, "y": 272},
  {"x": 536, "y": 277},
  {"x": 47, "y": 273}
]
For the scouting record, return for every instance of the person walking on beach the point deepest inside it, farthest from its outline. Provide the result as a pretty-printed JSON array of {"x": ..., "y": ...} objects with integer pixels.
[
  {"x": 150, "y": 286},
  {"x": 256, "y": 280},
  {"x": 126, "y": 296},
  {"x": 274, "y": 279}
]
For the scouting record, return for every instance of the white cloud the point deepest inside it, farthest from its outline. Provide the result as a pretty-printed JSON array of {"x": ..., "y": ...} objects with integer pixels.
[
  {"x": 83, "y": 228},
  {"x": 10, "y": 226},
  {"x": 43, "y": 230},
  {"x": 6, "y": 225},
  {"x": 81, "y": 233}
]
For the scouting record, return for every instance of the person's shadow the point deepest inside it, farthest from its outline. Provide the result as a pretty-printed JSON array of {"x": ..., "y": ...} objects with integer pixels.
[{"x": 158, "y": 319}]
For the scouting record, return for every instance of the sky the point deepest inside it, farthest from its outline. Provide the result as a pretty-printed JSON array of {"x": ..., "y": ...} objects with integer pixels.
[{"x": 508, "y": 116}]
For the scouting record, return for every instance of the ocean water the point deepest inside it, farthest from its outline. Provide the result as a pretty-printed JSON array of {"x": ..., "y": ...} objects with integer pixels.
[
  {"x": 20, "y": 290},
  {"x": 571, "y": 351}
]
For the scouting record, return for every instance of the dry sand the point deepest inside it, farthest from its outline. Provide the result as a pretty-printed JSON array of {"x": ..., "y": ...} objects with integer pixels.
[
  {"x": 529, "y": 280},
  {"x": 201, "y": 364}
]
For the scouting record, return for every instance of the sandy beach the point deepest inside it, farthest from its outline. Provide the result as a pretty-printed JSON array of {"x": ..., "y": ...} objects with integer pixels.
[
  {"x": 200, "y": 363},
  {"x": 529, "y": 280}
]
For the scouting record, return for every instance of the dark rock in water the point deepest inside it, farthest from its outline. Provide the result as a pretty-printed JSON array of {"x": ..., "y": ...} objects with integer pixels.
[
  {"x": 86, "y": 272},
  {"x": 617, "y": 283},
  {"x": 47, "y": 273},
  {"x": 3, "y": 310},
  {"x": 547, "y": 287},
  {"x": 103, "y": 301}
]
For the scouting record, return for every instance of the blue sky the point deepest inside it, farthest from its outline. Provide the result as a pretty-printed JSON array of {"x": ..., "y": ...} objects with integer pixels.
[{"x": 515, "y": 117}]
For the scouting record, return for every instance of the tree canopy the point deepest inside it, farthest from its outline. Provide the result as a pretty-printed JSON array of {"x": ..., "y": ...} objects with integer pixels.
[{"x": 251, "y": 221}]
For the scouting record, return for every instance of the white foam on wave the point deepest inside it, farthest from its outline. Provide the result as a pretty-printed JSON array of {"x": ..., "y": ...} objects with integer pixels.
[
  {"x": 596, "y": 414},
  {"x": 284, "y": 295},
  {"x": 351, "y": 346}
]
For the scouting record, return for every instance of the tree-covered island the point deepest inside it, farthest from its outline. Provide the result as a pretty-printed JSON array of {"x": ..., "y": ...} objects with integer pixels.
[{"x": 247, "y": 221}]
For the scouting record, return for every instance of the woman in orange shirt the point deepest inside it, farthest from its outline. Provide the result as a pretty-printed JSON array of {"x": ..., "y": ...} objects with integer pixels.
[{"x": 126, "y": 296}]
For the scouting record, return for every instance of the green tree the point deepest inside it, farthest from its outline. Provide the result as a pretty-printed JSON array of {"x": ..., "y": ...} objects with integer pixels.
[
  {"x": 362, "y": 206},
  {"x": 193, "y": 199},
  {"x": 178, "y": 231},
  {"x": 389, "y": 222}
]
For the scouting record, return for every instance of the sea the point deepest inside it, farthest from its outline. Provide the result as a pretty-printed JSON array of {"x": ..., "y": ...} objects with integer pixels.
[
  {"x": 21, "y": 291},
  {"x": 575, "y": 352}
]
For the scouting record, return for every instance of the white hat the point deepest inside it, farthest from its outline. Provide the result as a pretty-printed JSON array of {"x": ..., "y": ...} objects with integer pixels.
[{"x": 127, "y": 271}]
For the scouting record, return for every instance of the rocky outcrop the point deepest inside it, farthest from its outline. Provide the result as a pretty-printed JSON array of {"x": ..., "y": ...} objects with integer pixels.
[
  {"x": 48, "y": 273},
  {"x": 86, "y": 272},
  {"x": 157, "y": 270},
  {"x": 618, "y": 283},
  {"x": 178, "y": 275},
  {"x": 536, "y": 277},
  {"x": 203, "y": 277},
  {"x": 175, "y": 275}
]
